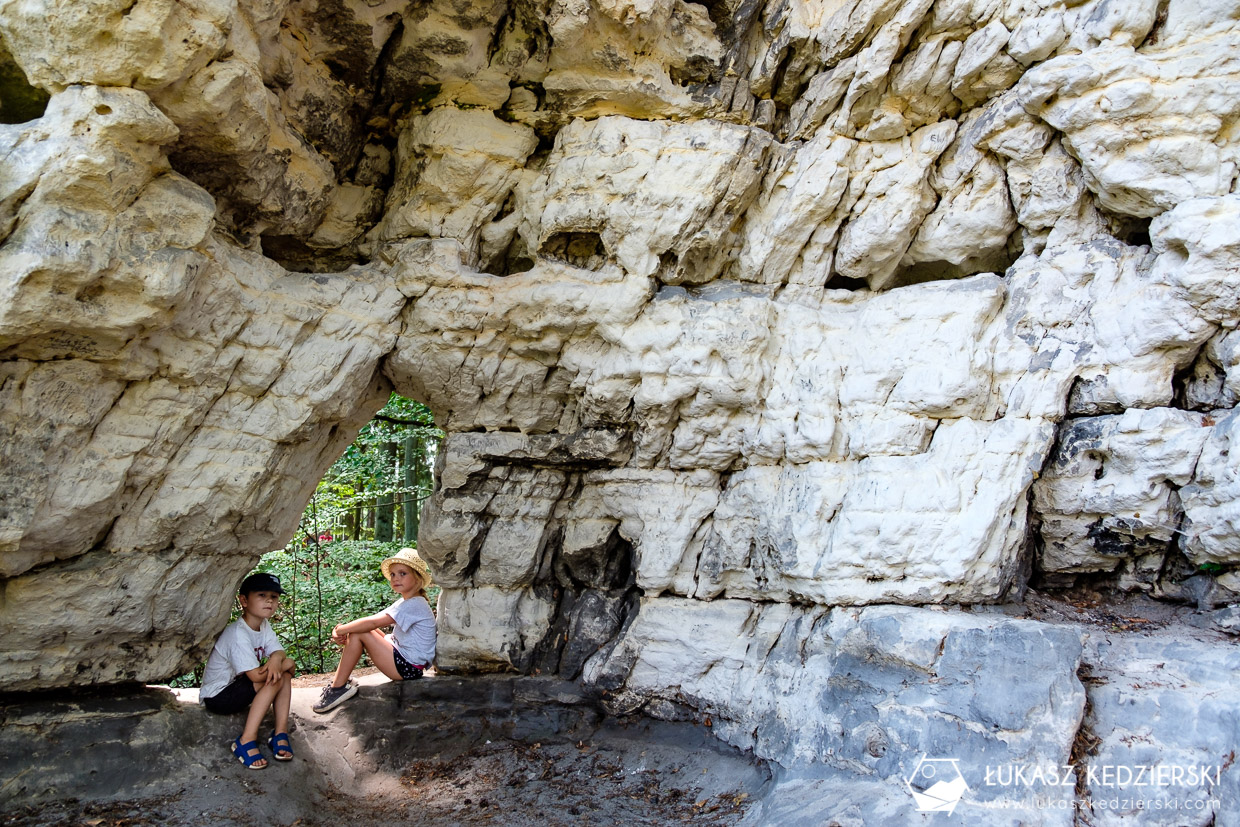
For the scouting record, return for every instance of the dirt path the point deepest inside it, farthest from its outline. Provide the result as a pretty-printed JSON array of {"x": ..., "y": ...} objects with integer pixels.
[{"x": 445, "y": 751}]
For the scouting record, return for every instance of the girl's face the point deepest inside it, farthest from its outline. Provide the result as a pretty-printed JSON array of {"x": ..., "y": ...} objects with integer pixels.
[{"x": 405, "y": 581}]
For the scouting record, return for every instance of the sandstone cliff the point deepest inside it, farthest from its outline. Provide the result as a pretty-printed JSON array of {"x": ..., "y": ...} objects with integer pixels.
[{"x": 739, "y": 317}]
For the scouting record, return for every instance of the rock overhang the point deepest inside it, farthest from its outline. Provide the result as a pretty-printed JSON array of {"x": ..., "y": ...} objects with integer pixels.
[{"x": 795, "y": 311}]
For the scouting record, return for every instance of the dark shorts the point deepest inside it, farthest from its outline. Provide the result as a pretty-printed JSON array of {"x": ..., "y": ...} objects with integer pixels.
[
  {"x": 408, "y": 671},
  {"x": 236, "y": 697}
]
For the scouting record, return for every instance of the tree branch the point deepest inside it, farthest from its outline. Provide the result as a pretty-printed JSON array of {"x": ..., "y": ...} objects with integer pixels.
[{"x": 395, "y": 421}]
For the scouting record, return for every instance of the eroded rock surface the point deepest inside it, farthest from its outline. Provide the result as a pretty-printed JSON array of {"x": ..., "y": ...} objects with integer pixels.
[{"x": 739, "y": 317}]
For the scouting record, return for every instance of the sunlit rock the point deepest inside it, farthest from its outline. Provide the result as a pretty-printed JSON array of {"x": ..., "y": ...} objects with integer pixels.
[{"x": 758, "y": 331}]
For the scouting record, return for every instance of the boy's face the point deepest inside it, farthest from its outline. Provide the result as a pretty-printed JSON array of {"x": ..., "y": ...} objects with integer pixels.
[
  {"x": 405, "y": 581},
  {"x": 260, "y": 604}
]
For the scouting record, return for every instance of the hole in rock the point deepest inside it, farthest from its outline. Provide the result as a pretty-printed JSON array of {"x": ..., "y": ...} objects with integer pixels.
[
  {"x": 839, "y": 282},
  {"x": 513, "y": 258},
  {"x": 1132, "y": 231},
  {"x": 1092, "y": 396},
  {"x": 294, "y": 254},
  {"x": 668, "y": 263},
  {"x": 994, "y": 261},
  {"x": 731, "y": 20},
  {"x": 512, "y": 261},
  {"x": 19, "y": 101},
  {"x": 697, "y": 69},
  {"x": 365, "y": 508},
  {"x": 1202, "y": 384},
  {"x": 580, "y": 249}
]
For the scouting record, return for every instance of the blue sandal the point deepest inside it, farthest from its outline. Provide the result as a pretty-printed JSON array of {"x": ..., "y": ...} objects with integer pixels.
[
  {"x": 248, "y": 754},
  {"x": 279, "y": 743}
]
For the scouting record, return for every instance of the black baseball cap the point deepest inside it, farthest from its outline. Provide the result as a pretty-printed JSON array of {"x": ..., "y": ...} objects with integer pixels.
[{"x": 261, "y": 582}]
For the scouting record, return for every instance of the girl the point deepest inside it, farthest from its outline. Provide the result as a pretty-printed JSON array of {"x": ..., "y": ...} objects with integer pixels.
[{"x": 407, "y": 651}]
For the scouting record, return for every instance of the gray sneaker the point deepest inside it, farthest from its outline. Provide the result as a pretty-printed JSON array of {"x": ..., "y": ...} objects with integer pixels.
[{"x": 334, "y": 696}]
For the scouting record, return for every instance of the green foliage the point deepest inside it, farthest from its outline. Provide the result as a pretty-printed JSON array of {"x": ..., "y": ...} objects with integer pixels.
[
  {"x": 19, "y": 101},
  {"x": 1211, "y": 568},
  {"x": 377, "y": 473},
  {"x": 190, "y": 679}
]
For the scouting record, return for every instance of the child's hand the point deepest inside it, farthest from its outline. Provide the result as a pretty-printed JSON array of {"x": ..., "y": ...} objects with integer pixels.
[
  {"x": 338, "y": 638},
  {"x": 275, "y": 668}
]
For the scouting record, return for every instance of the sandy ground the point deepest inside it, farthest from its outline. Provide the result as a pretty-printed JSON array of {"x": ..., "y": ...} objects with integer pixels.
[
  {"x": 503, "y": 783},
  {"x": 442, "y": 751}
]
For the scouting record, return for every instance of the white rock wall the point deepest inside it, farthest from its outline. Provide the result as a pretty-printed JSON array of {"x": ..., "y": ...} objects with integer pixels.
[
  {"x": 737, "y": 318},
  {"x": 187, "y": 392}
]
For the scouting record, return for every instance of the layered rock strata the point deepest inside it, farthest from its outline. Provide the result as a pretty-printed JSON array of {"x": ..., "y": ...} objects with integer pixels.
[{"x": 737, "y": 317}]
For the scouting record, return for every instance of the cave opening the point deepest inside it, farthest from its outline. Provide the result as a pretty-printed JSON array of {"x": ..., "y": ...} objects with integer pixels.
[
  {"x": 363, "y": 509},
  {"x": 20, "y": 102},
  {"x": 584, "y": 249}
]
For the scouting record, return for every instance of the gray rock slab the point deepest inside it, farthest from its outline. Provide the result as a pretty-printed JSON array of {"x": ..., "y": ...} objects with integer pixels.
[
  {"x": 1164, "y": 721},
  {"x": 851, "y": 703}
]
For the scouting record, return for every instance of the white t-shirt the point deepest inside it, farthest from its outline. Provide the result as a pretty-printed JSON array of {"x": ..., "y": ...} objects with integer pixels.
[
  {"x": 413, "y": 634},
  {"x": 238, "y": 650}
]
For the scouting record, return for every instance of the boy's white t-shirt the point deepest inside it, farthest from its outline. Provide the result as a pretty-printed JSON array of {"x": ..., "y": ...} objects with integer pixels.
[
  {"x": 238, "y": 650},
  {"x": 413, "y": 633}
]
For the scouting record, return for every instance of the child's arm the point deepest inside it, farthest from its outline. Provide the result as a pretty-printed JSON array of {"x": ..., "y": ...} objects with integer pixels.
[
  {"x": 259, "y": 674},
  {"x": 278, "y": 664},
  {"x": 364, "y": 624},
  {"x": 273, "y": 670}
]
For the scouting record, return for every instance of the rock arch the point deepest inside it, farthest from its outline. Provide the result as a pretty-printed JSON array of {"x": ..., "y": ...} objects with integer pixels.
[{"x": 236, "y": 229}]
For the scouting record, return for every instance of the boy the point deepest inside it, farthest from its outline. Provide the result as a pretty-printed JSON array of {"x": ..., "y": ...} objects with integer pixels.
[{"x": 248, "y": 670}]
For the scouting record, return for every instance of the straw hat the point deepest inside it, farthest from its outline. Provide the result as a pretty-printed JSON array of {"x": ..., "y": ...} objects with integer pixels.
[{"x": 411, "y": 559}]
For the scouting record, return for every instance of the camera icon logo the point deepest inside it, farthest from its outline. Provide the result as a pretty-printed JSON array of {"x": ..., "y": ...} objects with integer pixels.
[{"x": 937, "y": 784}]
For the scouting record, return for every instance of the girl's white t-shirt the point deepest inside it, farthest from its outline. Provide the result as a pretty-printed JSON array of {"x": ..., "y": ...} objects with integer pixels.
[{"x": 413, "y": 634}]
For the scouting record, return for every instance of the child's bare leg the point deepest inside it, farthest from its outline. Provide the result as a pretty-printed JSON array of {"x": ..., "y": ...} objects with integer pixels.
[
  {"x": 372, "y": 643},
  {"x": 265, "y": 694},
  {"x": 348, "y": 659},
  {"x": 381, "y": 653},
  {"x": 281, "y": 704}
]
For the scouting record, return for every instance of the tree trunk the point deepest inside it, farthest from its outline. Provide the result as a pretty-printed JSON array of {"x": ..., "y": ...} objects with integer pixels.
[
  {"x": 385, "y": 503},
  {"x": 412, "y": 478}
]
